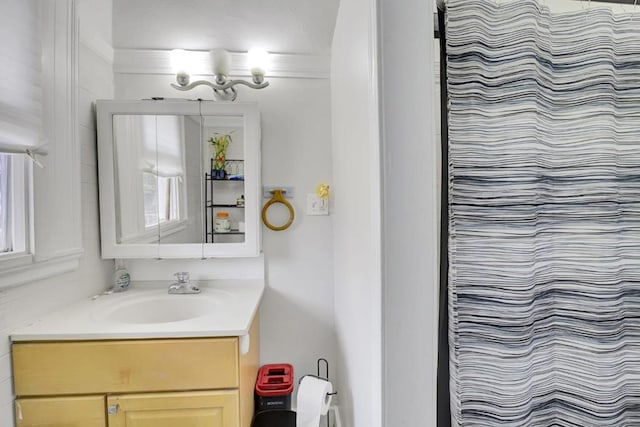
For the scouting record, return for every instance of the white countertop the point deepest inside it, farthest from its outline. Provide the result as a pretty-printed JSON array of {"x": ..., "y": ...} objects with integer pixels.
[{"x": 223, "y": 308}]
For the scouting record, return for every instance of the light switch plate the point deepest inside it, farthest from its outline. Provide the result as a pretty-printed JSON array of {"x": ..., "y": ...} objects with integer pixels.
[{"x": 316, "y": 205}]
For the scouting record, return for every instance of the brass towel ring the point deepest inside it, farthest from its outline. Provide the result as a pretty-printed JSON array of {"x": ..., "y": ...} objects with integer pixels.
[{"x": 277, "y": 198}]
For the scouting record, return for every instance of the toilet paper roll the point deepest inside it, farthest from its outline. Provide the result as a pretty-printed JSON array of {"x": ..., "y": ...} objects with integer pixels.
[{"x": 314, "y": 399}]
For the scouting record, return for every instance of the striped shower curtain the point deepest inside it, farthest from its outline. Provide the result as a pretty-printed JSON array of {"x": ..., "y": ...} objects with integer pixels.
[{"x": 544, "y": 214}]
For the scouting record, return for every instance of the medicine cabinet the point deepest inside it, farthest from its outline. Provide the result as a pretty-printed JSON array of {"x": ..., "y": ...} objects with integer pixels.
[{"x": 178, "y": 179}]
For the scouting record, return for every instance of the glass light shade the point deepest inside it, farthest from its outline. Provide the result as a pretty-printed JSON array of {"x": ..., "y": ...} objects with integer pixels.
[
  {"x": 258, "y": 61},
  {"x": 220, "y": 62}
]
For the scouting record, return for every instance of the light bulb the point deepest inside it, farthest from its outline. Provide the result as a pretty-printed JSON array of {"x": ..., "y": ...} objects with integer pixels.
[
  {"x": 178, "y": 61},
  {"x": 258, "y": 61},
  {"x": 181, "y": 65}
]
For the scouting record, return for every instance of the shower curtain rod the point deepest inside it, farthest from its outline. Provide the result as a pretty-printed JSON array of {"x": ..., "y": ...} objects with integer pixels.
[{"x": 436, "y": 32}]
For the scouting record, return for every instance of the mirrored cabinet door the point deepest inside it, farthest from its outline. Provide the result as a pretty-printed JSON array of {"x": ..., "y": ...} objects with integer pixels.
[
  {"x": 157, "y": 179},
  {"x": 179, "y": 189},
  {"x": 223, "y": 162},
  {"x": 231, "y": 159},
  {"x": 135, "y": 178}
]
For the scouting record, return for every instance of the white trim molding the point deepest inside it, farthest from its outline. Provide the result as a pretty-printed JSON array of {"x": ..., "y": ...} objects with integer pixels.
[
  {"x": 147, "y": 61},
  {"x": 410, "y": 163},
  {"x": 56, "y": 238},
  {"x": 57, "y": 188},
  {"x": 41, "y": 270}
]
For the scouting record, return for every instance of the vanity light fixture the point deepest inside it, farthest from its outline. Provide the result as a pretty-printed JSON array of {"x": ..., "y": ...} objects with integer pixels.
[{"x": 222, "y": 86}]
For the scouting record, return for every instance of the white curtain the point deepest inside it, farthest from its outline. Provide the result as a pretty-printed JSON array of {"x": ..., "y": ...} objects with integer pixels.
[
  {"x": 170, "y": 146},
  {"x": 20, "y": 85},
  {"x": 153, "y": 144}
]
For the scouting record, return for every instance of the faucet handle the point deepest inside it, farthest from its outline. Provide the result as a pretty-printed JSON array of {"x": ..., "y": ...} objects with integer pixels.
[{"x": 182, "y": 276}]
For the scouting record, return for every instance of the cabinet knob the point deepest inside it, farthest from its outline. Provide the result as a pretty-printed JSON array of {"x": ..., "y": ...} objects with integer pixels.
[{"x": 113, "y": 409}]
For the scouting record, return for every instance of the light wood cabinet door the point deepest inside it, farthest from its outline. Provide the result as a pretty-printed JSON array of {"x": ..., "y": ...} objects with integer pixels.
[
  {"x": 82, "y": 411},
  {"x": 188, "y": 409}
]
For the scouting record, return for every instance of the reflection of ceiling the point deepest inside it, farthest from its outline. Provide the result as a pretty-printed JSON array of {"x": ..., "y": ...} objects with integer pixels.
[{"x": 279, "y": 26}]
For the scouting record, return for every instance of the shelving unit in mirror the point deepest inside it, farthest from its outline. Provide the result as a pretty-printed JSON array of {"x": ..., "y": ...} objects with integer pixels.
[{"x": 233, "y": 183}]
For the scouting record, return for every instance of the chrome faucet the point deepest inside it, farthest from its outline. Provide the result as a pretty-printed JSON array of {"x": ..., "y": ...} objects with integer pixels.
[{"x": 183, "y": 286}]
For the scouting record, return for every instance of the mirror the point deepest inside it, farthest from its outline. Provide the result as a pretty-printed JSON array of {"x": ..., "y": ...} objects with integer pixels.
[
  {"x": 224, "y": 194},
  {"x": 178, "y": 178},
  {"x": 157, "y": 178}
]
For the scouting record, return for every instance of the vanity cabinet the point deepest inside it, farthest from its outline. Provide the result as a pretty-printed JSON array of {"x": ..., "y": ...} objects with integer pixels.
[{"x": 135, "y": 383}]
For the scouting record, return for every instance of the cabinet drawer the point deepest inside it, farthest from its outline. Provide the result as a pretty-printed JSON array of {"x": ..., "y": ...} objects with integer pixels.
[
  {"x": 90, "y": 367},
  {"x": 81, "y": 411}
]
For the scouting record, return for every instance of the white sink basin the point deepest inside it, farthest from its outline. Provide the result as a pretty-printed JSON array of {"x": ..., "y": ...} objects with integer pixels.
[
  {"x": 163, "y": 308},
  {"x": 225, "y": 308}
]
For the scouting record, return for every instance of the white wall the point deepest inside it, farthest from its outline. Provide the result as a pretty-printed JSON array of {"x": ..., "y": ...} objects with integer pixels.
[
  {"x": 297, "y": 309},
  {"x": 291, "y": 26},
  {"x": 22, "y": 305},
  {"x": 410, "y": 233},
  {"x": 356, "y": 177}
]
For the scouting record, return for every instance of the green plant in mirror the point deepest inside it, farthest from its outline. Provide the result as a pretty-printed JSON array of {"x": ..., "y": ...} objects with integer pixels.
[{"x": 219, "y": 144}]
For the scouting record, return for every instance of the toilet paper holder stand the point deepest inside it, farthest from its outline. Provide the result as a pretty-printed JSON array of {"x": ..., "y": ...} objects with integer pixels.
[
  {"x": 326, "y": 371},
  {"x": 319, "y": 376}
]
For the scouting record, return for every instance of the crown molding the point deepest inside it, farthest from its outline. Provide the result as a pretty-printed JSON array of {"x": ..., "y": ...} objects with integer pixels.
[{"x": 147, "y": 61}]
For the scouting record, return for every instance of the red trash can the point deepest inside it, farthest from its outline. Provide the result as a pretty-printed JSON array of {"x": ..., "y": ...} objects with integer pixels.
[{"x": 274, "y": 387}]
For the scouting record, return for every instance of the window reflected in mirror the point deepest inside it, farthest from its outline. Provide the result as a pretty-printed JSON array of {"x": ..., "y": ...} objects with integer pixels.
[
  {"x": 179, "y": 179},
  {"x": 156, "y": 161}
]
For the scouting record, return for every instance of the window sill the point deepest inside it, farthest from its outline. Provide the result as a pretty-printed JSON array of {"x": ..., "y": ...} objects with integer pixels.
[
  {"x": 173, "y": 227},
  {"x": 13, "y": 261},
  {"x": 29, "y": 270},
  {"x": 151, "y": 235}
]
